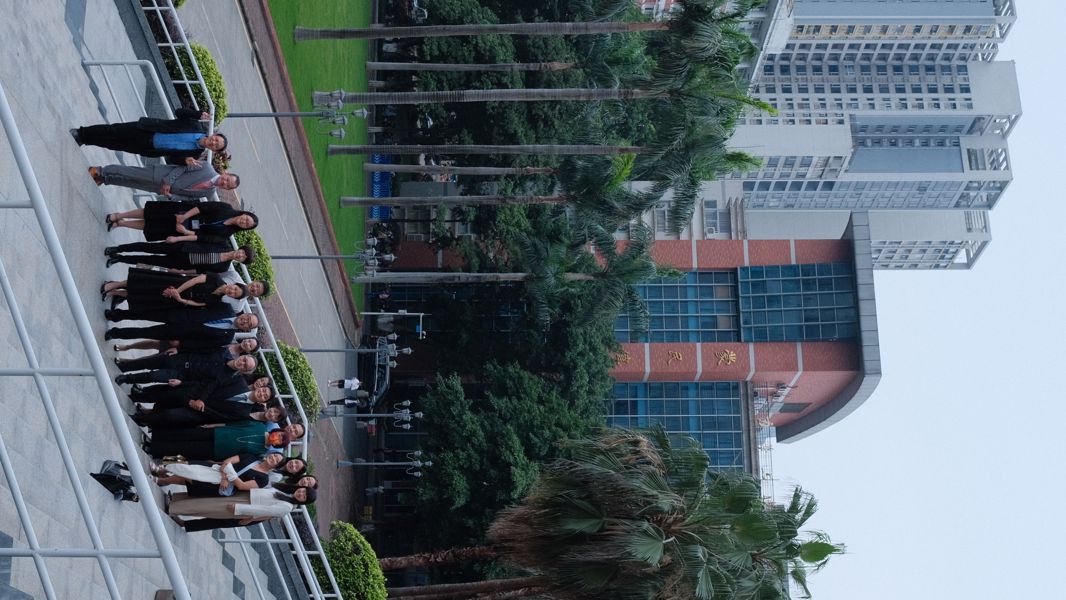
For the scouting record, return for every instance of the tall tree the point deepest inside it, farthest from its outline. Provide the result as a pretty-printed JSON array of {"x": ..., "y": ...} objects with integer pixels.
[
  {"x": 639, "y": 516},
  {"x": 694, "y": 17},
  {"x": 469, "y": 67}
]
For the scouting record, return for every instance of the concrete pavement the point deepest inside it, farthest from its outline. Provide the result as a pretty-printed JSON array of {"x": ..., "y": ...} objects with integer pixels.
[
  {"x": 305, "y": 297},
  {"x": 50, "y": 91}
]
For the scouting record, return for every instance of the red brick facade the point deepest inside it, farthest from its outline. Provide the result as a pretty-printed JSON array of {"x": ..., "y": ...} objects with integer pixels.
[{"x": 814, "y": 371}]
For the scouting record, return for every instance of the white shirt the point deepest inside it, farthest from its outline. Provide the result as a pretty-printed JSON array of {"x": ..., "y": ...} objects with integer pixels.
[{"x": 262, "y": 503}]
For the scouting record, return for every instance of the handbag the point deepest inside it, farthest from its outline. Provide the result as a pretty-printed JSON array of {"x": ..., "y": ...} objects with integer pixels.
[{"x": 232, "y": 488}]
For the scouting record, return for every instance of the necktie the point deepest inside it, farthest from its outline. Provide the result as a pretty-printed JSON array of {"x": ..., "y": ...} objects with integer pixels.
[
  {"x": 223, "y": 321},
  {"x": 203, "y": 185}
]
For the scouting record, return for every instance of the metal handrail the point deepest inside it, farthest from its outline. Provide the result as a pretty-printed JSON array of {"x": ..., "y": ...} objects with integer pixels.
[
  {"x": 184, "y": 43},
  {"x": 103, "y": 381},
  {"x": 257, "y": 307}
]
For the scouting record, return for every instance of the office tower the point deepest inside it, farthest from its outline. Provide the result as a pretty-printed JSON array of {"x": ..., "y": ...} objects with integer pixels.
[
  {"x": 887, "y": 106},
  {"x": 890, "y": 140}
]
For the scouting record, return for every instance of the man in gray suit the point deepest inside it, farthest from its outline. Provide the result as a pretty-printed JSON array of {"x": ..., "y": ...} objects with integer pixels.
[{"x": 194, "y": 179}]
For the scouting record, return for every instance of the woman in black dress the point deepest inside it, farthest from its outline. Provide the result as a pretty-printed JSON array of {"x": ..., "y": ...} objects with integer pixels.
[
  {"x": 145, "y": 289},
  {"x": 174, "y": 221}
]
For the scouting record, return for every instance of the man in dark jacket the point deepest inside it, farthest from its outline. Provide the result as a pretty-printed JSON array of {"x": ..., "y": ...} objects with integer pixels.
[
  {"x": 204, "y": 335},
  {"x": 164, "y": 397},
  {"x": 176, "y": 139},
  {"x": 180, "y": 315},
  {"x": 224, "y": 411},
  {"x": 209, "y": 369}
]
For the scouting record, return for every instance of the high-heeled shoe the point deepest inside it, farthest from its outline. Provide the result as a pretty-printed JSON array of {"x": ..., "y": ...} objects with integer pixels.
[
  {"x": 111, "y": 261},
  {"x": 103, "y": 291},
  {"x": 107, "y": 221}
]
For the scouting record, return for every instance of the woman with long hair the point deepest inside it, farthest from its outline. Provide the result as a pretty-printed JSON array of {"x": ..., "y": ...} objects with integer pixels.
[
  {"x": 148, "y": 289},
  {"x": 245, "y": 506},
  {"x": 236, "y": 473},
  {"x": 185, "y": 221}
]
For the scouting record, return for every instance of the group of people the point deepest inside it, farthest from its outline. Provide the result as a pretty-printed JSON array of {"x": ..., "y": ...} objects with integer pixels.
[{"x": 213, "y": 425}]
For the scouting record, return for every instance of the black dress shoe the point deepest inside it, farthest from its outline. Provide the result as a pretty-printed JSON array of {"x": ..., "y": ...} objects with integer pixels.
[
  {"x": 110, "y": 250},
  {"x": 121, "y": 379},
  {"x": 116, "y": 300},
  {"x": 108, "y": 335},
  {"x": 111, "y": 261},
  {"x": 109, "y": 315}
]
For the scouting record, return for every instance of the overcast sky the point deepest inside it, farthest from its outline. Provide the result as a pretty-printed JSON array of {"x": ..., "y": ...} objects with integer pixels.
[{"x": 948, "y": 481}]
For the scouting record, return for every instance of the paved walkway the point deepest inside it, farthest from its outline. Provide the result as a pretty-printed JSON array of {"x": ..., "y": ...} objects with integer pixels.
[
  {"x": 50, "y": 91},
  {"x": 305, "y": 311}
]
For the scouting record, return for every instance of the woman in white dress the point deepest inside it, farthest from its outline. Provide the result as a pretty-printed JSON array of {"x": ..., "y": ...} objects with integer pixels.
[
  {"x": 247, "y": 506},
  {"x": 242, "y": 472}
]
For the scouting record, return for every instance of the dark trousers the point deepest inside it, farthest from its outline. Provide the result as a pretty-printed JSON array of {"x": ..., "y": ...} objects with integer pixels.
[
  {"x": 155, "y": 361},
  {"x": 124, "y": 137},
  {"x": 194, "y": 444},
  {"x": 209, "y": 524},
  {"x": 160, "y": 254},
  {"x": 159, "y": 315},
  {"x": 153, "y": 376},
  {"x": 163, "y": 397},
  {"x": 155, "y": 332},
  {"x": 171, "y": 418}
]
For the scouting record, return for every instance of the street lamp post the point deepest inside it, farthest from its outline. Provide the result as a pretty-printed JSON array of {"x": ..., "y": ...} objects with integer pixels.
[
  {"x": 413, "y": 463},
  {"x": 368, "y": 256}
]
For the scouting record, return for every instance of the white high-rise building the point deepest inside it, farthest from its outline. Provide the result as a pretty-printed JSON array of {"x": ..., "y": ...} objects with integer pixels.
[{"x": 892, "y": 107}]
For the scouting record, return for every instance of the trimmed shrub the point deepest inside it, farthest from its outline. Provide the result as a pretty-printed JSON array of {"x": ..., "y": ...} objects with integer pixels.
[
  {"x": 216, "y": 87},
  {"x": 354, "y": 564},
  {"x": 260, "y": 268},
  {"x": 178, "y": 3},
  {"x": 303, "y": 378}
]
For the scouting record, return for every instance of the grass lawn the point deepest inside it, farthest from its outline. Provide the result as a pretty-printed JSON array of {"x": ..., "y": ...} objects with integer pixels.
[{"x": 326, "y": 66}]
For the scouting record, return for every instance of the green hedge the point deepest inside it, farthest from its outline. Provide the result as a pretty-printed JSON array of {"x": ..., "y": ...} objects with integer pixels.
[
  {"x": 216, "y": 87},
  {"x": 354, "y": 564},
  {"x": 259, "y": 269},
  {"x": 303, "y": 378}
]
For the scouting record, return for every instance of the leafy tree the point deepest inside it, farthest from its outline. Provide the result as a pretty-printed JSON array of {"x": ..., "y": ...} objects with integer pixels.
[{"x": 485, "y": 442}]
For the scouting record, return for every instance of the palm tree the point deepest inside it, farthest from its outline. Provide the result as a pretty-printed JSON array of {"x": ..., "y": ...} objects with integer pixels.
[
  {"x": 469, "y": 67},
  {"x": 633, "y": 516},
  {"x": 453, "y": 170},
  {"x": 303, "y": 34},
  {"x": 497, "y": 95},
  {"x": 443, "y": 557},
  {"x": 546, "y": 149},
  {"x": 694, "y": 18},
  {"x": 449, "y": 200},
  {"x": 640, "y": 516}
]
